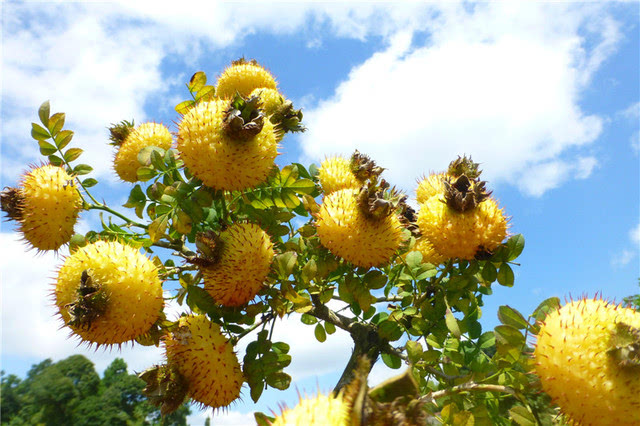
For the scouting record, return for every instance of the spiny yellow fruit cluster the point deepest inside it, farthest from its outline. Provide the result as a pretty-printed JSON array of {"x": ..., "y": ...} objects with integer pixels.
[
  {"x": 206, "y": 359},
  {"x": 345, "y": 230},
  {"x": 244, "y": 261},
  {"x": 126, "y": 162},
  {"x": 49, "y": 207},
  {"x": 129, "y": 282},
  {"x": 429, "y": 254},
  {"x": 430, "y": 186},
  {"x": 335, "y": 174},
  {"x": 219, "y": 161},
  {"x": 576, "y": 362},
  {"x": 321, "y": 410},
  {"x": 462, "y": 235},
  {"x": 457, "y": 216},
  {"x": 243, "y": 77},
  {"x": 270, "y": 99}
]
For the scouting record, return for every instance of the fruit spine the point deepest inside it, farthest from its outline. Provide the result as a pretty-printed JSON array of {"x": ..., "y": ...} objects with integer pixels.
[
  {"x": 132, "y": 141},
  {"x": 587, "y": 356},
  {"x": 205, "y": 358},
  {"x": 210, "y": 146},
  {"x": 46, "y": 206},
  {"x": 243, "y": 259},
  {"x": 108, "y": 293}
]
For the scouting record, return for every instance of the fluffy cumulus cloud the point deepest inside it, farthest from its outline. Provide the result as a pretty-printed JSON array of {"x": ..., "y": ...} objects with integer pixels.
[
  {"x": 499, "y": 81},
  {"x": 101, "y": 62}
]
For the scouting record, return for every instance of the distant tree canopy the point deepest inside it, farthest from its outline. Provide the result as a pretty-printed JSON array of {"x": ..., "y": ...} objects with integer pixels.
[{"x": 70, "y": 392}]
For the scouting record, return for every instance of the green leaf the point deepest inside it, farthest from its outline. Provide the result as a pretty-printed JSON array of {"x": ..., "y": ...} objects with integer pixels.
[
  {"x": 510, "y": 316},
  {"x": 308, "y": 319},
  {"x": 279, "y": 380},
  {"x": 489, "y": 272},
  {"x": 505, "y": 275},
  {"x": 549, "y": 305},
  {"x": 197, "y": 81},
  {"x": 487, "y": 340},
  {"x": 522, "y": 416},
  {"x": 89, "y": 182},
  {"x": 43, "y": 112},
  {"x": 262, "y": 419},
  {"x": 452, "y": 323},
  {"x": 256, "y": 391},
  {"x": 72, "y": 154},
  {"x": 183, "y": 107},
  {"x": 390, "y": 330},
  {"x": 55, "y": 160},
  {"x": 39, "y": 133},
  {"x": 414, "y": 259},
  {"x": 329, "y": 327},
  {"x": 82, "y": 169},
  {"x": 303, "y": 186},
  {"x": 136, "y": 197},
  {"x": 56, "y": 122},
  {"x": 319, "y": 332},
  {"x": 508, "y": 336},
  {"x": 515, "y": 245},
  {"x": 414, "y": 351},
  {"x": 206, "y": 93},
  {"x": 197, "y": 297},
  {"x": 158, "y": 227},
  {"x": 144, "y": 156},
  {"x": 391, "y": 361},
  {"x": 146, "y": 173},
  {"x": 46, "y": 148},
  {"x": 63, "y": 138},
  {"x": 281, "y": 347},
  {"x": 375, "y": 279},
  {"x": 285, "y": 262}
]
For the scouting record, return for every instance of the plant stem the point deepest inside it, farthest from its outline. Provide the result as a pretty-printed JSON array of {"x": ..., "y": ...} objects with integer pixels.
[
  {"x": 468, "y": 387},
  {"x": 99, "y": 206}
]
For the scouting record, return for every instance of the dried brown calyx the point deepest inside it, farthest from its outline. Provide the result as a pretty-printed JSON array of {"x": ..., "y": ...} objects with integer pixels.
[
  {"x": 286, "y": 119},
  {"x": 463, "y": 188},
  {"x": 166, "y": 387},
  {"x": 625, "y": 340},
  {"x": 377, "y": 200},
  {"x": 11, "y": 201},
  {"x": 244, "y": 119},
  {"x": 90, "y": 303},
  {"x": 364, "y": 168},
  {"x": 119, "y": 132},
  {"x": 209, "y": 248}
]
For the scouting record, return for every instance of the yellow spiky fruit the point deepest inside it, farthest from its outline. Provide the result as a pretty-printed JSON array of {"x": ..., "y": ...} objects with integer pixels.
[
  {"x": 462, "y": 235},
  {"x": 576, "y": 361},
  {"x": 335, "y": 174},
  {"x": 270, "y": 99},
  {"x": 429, "y": 253},
  {"x": 216, "y": 159},
  {"x": 206, "y": 360},
  {"x": 243, "y": 77},
  {"x": 345, "y": 230},
  {"x": 429, "y": 186},
  {"x": 128, "y": 282},
  {"x": 244, "y": 262},
  {"x": 49, "y": 207},
  {"x": 321, "y": 410},
  {"x": 126, "y": 162}
]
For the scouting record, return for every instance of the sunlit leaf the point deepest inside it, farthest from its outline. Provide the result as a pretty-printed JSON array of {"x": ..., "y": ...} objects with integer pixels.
[
  {"x": 38, "y": 132},
  {"x": 72, "y": 154},
  {"x": 510, "y": 316},
  {"x": 46, "y": 148},
  {"x": 197, "y": 81},
  {"x": 43, "y": 112},
  {"x": 56, "y": 122},
  {"x": 452, "y": 323},
  {"x": 63, "y": 138},
  {"x": 391, "y": 361},
  {"x": 319, "y": 332},
  {"x": 505, "y": 275}
]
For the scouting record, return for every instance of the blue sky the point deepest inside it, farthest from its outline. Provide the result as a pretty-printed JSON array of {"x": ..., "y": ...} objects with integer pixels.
[{"x": 546, "y": 96}]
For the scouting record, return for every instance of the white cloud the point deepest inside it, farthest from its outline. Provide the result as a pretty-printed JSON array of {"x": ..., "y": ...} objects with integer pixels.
[
  {"x": 634, "y": 234},
  {"x": 220, "y": 418},
  {"x": 632, "y": 114},
  {"x": 623, "y": 258},
  {"x": 501, "y": 83}
]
